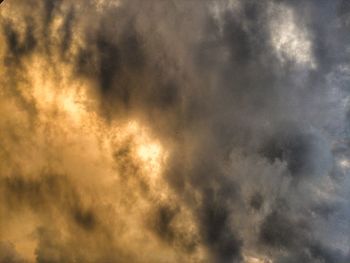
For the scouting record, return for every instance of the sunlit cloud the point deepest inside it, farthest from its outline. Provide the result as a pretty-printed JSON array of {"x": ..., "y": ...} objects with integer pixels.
[{"x": 162, "y": 131}]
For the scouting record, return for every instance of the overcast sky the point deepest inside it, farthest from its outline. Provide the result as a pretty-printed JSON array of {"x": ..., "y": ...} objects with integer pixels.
[{"x": 204, "y": 131}]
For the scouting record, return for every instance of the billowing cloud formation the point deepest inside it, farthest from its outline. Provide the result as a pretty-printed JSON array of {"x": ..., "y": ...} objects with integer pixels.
[{"x": 174, "y": 131}]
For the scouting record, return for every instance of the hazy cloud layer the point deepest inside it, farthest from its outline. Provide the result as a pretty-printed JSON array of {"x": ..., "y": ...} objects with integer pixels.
[{"x": 174, "y": 131}]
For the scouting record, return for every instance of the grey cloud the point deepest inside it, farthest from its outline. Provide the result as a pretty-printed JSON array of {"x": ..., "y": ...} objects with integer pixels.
[{"x": 214, "y": 87}]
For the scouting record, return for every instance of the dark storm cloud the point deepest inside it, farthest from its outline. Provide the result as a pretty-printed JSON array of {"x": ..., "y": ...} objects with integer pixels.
[
  {"x": 279, "y": 231},
  {"x": 216, "y": 86},
  {"x": 295, "y": 236},
  {"x": 39, "y": 194},
  {"x": 256, "y": 201},
  {"x": 53, "y": 198},
  {"x": 218, "y": 234},
  {"x": 18, "y": 48},
  {"x": 301, "y": 151},
  {"x": 162, "y": 222}
]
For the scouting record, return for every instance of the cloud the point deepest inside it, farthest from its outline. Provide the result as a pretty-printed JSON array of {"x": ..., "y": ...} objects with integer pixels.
[
  {"x": 187, "y": 131},
  {"x": 9, "y": 253}
]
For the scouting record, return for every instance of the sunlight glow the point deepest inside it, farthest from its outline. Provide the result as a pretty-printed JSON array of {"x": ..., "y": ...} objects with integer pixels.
[{"x": 344, "y": 163}]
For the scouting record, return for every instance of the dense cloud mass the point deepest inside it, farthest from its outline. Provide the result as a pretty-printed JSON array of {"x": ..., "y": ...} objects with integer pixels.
[{"x": 175, "y": 131}]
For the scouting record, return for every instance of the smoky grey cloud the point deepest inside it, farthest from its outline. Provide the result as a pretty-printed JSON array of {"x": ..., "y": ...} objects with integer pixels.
[{"x": 250, "y": 96}]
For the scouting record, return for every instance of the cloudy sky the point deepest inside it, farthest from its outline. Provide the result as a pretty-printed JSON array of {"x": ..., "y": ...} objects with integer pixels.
[{"x": 199, "y": 131}]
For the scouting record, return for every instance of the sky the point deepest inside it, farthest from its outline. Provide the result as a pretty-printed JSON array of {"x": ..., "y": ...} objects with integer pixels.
[{"x": 199, "y": 131}]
